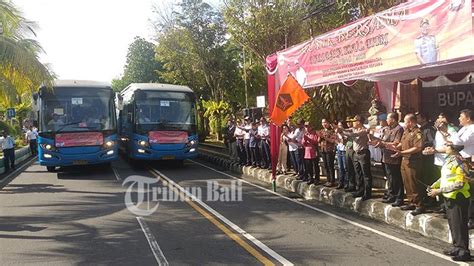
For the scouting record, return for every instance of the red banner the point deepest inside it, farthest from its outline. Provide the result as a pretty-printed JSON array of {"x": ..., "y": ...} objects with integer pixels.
[
  {"x": 416, "y": 34},
  {"x": 167, "y": 137},
  {"x": 79, "y": 139}
]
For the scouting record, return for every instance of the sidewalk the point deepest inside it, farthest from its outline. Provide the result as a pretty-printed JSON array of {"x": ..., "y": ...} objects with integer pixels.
[{"x": 429, "y": 224}]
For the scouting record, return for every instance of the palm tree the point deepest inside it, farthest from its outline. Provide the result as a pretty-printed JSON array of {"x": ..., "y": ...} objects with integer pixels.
[{"x": 21, "y": 72}]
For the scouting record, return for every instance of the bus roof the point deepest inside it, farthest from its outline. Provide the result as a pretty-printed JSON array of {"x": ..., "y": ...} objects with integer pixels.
[
  {"x": 155, "y": 87},
  {"x": 81, "y": 84}
]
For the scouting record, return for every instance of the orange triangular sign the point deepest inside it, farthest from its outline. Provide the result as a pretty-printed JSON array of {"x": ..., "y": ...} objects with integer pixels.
[{"x": 290, "y": 97}]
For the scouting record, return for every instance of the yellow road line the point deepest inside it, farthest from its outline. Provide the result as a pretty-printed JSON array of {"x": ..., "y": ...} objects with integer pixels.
[{"x": 219, "y": 225}]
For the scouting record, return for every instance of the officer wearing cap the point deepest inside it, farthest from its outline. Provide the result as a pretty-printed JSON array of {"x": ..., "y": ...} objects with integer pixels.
[
  {"x": 350, "y": 170},
  {"x": 425, "y": 45},
  {"x": 410, "y": 149},
  {"x": 454, "y": 186},
  {"x": 361, "y": 157}
]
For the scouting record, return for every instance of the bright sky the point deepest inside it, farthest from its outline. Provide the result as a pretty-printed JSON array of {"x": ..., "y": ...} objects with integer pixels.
[{"x": 88, "y": 39}]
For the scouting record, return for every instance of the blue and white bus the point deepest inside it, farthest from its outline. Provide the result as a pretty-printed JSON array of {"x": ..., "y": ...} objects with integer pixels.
[
  {"x": 77, "y": 124},
  {"x": 158, "y": 122}
]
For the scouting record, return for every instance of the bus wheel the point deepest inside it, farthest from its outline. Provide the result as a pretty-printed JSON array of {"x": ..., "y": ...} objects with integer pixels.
[{"x": 50, "y": 168}]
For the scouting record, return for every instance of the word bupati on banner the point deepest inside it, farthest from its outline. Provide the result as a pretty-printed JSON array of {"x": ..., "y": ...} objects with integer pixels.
[{"x": 290, "y": 97}]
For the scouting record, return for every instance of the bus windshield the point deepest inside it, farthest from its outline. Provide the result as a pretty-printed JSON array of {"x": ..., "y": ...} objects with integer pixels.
[
  {"x": 158, "y": 110},
  {"x": 77, "y": 110}
]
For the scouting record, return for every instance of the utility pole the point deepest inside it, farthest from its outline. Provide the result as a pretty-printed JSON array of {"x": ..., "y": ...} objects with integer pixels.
[{"x": 245, "y": 82}]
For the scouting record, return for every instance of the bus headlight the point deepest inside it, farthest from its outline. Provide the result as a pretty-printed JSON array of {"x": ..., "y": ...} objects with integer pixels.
[
  {"x": 48, "y": 147},
  {"x": 109, "y": 144},
  {"x": 142, "y": 143},
  {"x": 191, "y": 143}
]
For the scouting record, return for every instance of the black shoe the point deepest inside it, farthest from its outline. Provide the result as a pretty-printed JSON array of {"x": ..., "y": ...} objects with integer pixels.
[
  {"x": 309, "y": 182},
  {"x": 357, "y": 194},
  {"x": 464, "y": 257},
  {"x": 408, "y": 208},
  {"x": 440, "y": 210},
  {"x": 350, "y": 189},
  {"x": 470, "y": 224},
  {"x": 397, "y": 204},
  {"x": 389, "y": 200},
  {"x": 340, "y": 186},
  {"x": 417, "y": 211},
  {"x": 451, "y": 252}
]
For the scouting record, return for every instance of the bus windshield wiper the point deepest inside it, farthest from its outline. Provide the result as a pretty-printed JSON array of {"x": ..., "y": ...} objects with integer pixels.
[{"x": 65, "y": 125}]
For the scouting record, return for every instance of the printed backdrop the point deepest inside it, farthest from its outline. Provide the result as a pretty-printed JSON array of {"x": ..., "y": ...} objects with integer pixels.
[{"x": 417, "y": 33}]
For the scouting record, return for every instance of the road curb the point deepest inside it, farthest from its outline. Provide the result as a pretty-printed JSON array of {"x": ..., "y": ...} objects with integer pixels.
[{"x": 426, "y": 224}]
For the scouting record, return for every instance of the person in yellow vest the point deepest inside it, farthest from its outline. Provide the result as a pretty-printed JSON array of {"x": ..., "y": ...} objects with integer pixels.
[{"x": 454, "y": 186}]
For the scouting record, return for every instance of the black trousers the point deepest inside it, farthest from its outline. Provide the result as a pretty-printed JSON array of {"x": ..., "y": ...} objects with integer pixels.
[
  {"x": 396, "y": 189},
  {"x": 265, "y": 152},
  {"x": 350, "y": 171},
  {"x": 311, "y": 169},
  {"x": 457, "y": 212},
  {"x": 9, "y": 159},
  {"x": 363, "y": 173},
  {"x": 241, "y": 151},
  {"x": 328, "y": 160},
  {"x": 33, "y": 147},
  {"x": 248, "y": 152},
  {"x": 255, "y": 156}
]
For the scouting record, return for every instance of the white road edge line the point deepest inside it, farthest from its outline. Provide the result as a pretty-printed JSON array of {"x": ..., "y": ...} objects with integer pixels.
[
  {"x": 21, "y": 168},
  {"x": 255, "y": 241},
  {"x": 155, "y": 248},
  {"x": 117, "y": 176},
  {"x": 434, "y": 253}
]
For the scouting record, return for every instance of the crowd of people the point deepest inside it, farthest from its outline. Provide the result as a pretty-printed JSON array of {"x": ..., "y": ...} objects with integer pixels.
[{"x": 427, "y": 165}]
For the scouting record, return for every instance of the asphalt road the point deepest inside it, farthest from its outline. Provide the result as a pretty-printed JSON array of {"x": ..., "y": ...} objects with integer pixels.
[{"x": 79, "y": 216}]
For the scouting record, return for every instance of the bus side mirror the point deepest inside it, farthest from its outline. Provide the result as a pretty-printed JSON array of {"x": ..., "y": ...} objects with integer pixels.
[
  {"x": 35, "y": 102},
  {"x": 119, "y": 101}
]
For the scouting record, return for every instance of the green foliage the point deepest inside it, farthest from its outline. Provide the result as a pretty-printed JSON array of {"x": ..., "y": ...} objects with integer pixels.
[
  {"x": 216, "y": 112},
  {"x": 14, "y": 131},
  {"x": 21, "y": 72},
  {"x": 194, "y": 50},
  {"x": 141, "y": 65},
  {"x": 336, "y": 102}
]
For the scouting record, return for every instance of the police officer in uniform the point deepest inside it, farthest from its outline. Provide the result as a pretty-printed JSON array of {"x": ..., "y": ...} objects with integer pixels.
[
  {"x": 425, "y": 45},
  {"x": 410, "y": 149},
  {"x": 350, "y": 170},
  {"x": 454, "y": 186}
]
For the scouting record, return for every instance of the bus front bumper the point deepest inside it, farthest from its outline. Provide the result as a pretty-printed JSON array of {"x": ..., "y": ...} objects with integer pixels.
[
  {"x": 47, "y": 158},
  {"x": 146, "y": 153}
]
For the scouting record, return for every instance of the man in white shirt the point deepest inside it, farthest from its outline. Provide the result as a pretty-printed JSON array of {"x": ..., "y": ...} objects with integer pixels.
[
  {"x": 264, "y": 134},
  {"x": 8, "y": 147},
  {"x": 31, "y": 136},
  {"x": 247, "y": 128},
  {"x": 296, "y": 148},
  {"x": 465, "y": 136},
  {"x": 239, "y": 136}
]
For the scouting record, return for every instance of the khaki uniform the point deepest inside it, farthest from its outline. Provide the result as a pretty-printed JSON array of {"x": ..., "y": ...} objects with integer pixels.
[{"x": 411, "y": 166}]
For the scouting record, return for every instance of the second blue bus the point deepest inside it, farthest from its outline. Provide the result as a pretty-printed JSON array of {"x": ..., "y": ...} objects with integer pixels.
[{"x": 158, "y": 122}]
